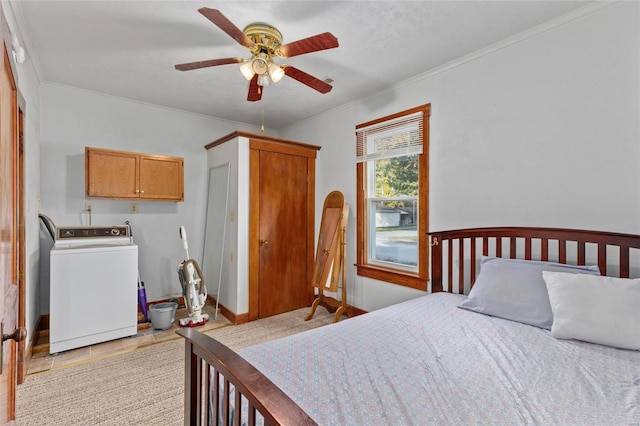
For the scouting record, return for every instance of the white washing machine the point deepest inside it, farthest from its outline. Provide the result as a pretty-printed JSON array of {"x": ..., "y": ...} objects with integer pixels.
[{"x": 93, "y": 287}]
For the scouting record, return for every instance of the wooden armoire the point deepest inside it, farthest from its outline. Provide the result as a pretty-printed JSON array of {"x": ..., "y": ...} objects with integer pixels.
[{"x": 268, "y": 250}]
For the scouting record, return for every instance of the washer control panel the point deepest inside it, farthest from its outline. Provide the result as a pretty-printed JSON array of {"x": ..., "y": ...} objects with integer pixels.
[{"x": 69, "y": 233}]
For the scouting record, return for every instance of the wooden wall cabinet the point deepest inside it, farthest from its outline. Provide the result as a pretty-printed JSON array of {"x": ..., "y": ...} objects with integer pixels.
[
  {"x": 131, "y": 175},
  {"x": 269, "y": 251}
]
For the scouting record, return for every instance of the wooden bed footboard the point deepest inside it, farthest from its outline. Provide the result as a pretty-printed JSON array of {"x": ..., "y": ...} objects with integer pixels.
[
  {"x": 240, "y": 381},
  {"x": 455, "y": 254}
]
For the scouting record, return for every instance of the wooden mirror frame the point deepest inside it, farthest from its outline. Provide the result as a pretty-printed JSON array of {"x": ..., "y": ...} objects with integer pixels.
[{"x": 330, "y": 255}]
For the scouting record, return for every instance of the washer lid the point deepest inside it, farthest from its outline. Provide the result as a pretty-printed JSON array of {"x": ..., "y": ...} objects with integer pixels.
[{"x": 77, "y": 246}]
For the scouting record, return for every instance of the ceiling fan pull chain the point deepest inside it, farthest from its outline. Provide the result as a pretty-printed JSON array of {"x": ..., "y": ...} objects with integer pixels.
[{"x": 262, "y": 112}]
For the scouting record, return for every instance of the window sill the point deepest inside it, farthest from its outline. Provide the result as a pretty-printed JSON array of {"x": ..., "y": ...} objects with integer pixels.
[{"x": 394, "y": 276}]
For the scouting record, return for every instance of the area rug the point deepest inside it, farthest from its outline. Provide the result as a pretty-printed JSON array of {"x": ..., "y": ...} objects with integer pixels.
[{"x": 142, "y": 387}]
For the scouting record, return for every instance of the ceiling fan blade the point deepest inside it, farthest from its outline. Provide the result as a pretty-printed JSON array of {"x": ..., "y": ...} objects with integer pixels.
[
  {"x": 307, "y": 45},
  {"x": 255, "y": 91},
  {"x": 209, "y": 63},
  {"x": 307, "y": 79},
  {"x": 215, "y": 16}
]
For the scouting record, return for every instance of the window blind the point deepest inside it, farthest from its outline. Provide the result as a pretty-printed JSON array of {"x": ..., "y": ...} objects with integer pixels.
[{"x": 392, "y": 138}]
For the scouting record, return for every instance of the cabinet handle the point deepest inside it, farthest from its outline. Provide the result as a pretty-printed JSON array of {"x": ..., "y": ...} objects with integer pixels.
[
  {"x": 142, "y": 191},
  {"x": 137, "y": 191}
]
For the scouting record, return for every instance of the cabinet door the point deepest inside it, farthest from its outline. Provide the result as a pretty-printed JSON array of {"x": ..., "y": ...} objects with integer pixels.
[
  {"x": 282, "y": 229},
  {"x": 111, "y": 174},
  {"x": 161, "y": 178}
]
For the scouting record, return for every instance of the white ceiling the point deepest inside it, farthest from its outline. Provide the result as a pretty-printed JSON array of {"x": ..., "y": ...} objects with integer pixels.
[{"x": 129, "y": 48}]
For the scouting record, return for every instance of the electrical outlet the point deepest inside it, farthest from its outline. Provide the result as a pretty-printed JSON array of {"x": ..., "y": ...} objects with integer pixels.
[
  {"x": 88, "y": 207},
  {"x": 134, "y": 208}
]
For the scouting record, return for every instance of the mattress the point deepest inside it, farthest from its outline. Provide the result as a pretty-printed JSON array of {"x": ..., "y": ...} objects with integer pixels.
[{"x": 426, "y": 361}]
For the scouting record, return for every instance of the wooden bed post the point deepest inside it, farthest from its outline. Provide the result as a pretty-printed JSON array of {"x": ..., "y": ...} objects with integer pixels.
[
  {"x": 436, "y": 264},
  {"x": 192, "y": 385}
]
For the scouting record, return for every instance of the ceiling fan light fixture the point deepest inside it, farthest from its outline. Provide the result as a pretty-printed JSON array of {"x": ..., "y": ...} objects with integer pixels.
[
  {"x": 259, "y": 66},
  {"x": 247, "y": 70},
  {"x": 275, "y": 72},
  {"x": 264, "y": 80}
]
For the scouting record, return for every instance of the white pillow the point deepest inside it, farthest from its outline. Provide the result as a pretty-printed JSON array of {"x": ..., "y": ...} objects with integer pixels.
[{"x": 597, "y": 309}]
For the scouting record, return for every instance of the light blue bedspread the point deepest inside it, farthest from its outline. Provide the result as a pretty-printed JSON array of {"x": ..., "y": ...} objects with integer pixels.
[{"x": 426, "y": 361}]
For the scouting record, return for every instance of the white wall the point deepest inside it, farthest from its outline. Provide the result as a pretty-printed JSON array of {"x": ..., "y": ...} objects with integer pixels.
[
  {"x": 72, "y": 119},
  {"x": 540, "y": 130}
]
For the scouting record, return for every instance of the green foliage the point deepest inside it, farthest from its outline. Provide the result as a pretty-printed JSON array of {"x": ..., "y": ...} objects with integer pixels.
[{"x": 397, "y": 177}]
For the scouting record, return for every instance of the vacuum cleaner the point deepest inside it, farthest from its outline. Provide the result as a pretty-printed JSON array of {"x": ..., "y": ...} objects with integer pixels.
[{"x": 193, "y": 288}]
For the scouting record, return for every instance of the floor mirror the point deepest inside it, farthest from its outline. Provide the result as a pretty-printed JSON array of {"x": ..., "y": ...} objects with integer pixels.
[{"x": 215, "y": 228}]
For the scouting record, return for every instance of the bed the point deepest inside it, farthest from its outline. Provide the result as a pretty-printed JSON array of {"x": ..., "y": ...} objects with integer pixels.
[{"x": 480, "y": 349}]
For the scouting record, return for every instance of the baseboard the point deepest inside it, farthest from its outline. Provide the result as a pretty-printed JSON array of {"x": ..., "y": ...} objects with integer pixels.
[
  {"x": 180, "y": 301},
  {"x": 236, "y": 319},
  {"x": 357, "y": 311},
  {"x": 331, "y": 305},
  {"x": 40, "y": 330}
]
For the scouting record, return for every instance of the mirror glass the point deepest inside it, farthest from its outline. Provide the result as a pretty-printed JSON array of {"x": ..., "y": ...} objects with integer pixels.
[
  {"x": 215, "y": 227},
  {"x": 334, "y": 216}
]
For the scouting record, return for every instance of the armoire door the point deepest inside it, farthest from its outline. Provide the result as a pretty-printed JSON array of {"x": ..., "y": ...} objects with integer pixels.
[{"x": 280, "y": 200}]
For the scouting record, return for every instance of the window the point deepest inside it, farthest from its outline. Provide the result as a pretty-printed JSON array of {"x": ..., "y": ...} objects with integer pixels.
[{"x": 392, "y": 211}]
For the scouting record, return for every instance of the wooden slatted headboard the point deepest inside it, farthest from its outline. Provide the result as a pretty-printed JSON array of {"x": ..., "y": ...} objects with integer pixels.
[{"x": 449, "y": 249}]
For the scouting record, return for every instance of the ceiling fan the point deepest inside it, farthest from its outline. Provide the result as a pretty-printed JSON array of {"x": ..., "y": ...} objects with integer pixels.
[{"x": 265, "y": 43}]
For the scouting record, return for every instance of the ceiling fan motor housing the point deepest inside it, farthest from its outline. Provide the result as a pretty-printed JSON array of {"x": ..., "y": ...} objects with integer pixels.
[{"x": 266, "y": 38}]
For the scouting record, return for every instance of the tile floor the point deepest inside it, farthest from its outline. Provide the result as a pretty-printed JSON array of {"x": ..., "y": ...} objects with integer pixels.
[{"x": 147, "y": 335}]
